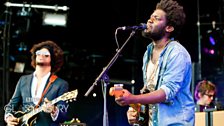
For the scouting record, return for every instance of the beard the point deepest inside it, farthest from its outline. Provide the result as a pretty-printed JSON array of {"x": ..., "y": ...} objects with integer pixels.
[
  {"x": 155, "y": 34},
  {"x": 43, "y": 64}
]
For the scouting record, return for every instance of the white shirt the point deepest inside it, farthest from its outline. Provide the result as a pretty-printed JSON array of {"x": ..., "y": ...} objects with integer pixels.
[
  {"x": 36, "y": 93},
  {"x": 152, "y": 73}
]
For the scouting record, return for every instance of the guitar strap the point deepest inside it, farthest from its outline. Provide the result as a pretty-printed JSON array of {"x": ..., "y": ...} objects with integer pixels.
[{"x": 51, "y": 80}]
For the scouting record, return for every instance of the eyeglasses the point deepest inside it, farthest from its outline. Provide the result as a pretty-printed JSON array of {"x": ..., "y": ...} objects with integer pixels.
[
  {"x": 44, "y": 53},
  {"x": 209, "y": 95}
]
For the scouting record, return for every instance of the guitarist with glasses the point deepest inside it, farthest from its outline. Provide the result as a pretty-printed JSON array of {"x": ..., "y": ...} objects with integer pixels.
[{"x": 34, "y": 92}]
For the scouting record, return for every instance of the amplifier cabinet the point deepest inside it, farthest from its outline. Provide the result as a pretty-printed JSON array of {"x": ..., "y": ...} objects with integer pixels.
[
  {"x": 217, "y": 118},
  {"x": 201, "y": 119}
]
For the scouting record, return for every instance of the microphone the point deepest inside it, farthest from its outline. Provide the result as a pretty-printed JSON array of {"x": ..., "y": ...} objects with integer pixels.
[{"x": 142, "y": 26}]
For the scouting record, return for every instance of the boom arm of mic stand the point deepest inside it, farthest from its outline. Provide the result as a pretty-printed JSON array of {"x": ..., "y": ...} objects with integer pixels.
[{"x": 105, "y": 69}]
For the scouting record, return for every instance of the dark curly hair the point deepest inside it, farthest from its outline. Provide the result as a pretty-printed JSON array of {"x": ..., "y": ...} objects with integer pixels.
[
  {"x": 56, "y": 52},
  {"x": 175, "y": 15}
]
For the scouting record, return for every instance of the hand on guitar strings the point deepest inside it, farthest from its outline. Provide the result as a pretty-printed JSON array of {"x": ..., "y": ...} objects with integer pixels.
[
  {"x": 48, "y": 107},
  {"x": 12, "y": 121}
]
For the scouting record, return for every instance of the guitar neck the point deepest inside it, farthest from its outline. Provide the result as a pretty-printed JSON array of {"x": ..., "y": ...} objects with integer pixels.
[{"x": 55, "y": 101}]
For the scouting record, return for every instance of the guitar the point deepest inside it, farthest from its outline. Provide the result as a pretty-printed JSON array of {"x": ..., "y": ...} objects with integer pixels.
[
  {"x": 27, "y": 119},
  {"x": 143, "y": 115}
]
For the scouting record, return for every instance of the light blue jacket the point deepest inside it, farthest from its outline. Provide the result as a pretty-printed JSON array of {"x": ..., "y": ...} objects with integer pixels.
[{"x": 175, "y": 79}]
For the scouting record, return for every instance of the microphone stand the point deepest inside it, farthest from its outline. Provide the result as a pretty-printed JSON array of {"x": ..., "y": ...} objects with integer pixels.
[{"x": 104, "y": 79}]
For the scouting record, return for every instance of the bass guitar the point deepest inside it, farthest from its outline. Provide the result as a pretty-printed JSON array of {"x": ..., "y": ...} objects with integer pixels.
[{"x": 27, "y": 119}]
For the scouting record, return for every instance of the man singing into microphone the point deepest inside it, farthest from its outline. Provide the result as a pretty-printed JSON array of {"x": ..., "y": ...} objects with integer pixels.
[
  {"x": 166, "y": 72},
  {"x": 47, "y": 59}
]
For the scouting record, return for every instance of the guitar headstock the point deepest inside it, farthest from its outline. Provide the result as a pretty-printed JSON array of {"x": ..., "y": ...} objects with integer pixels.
[{"x": 69, "y": 96}]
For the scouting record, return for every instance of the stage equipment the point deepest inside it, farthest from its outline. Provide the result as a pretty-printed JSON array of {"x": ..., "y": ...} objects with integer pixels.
[
  {"x": 201, "y": 119},
  {"x": 56, "y": 8},
  {"x": 54, "y": 19},
  {"x": 74, "y": 124},
  {"x": 49, "y": 18}
]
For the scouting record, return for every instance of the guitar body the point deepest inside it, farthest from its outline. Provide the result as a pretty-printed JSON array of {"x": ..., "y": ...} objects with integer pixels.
[
  {"x": 27, "y": 119},
  {"x": 22, "y": 121}
]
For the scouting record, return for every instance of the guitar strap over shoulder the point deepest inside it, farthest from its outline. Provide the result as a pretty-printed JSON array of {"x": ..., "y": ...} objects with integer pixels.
[{"x": 51, "y": 80}]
